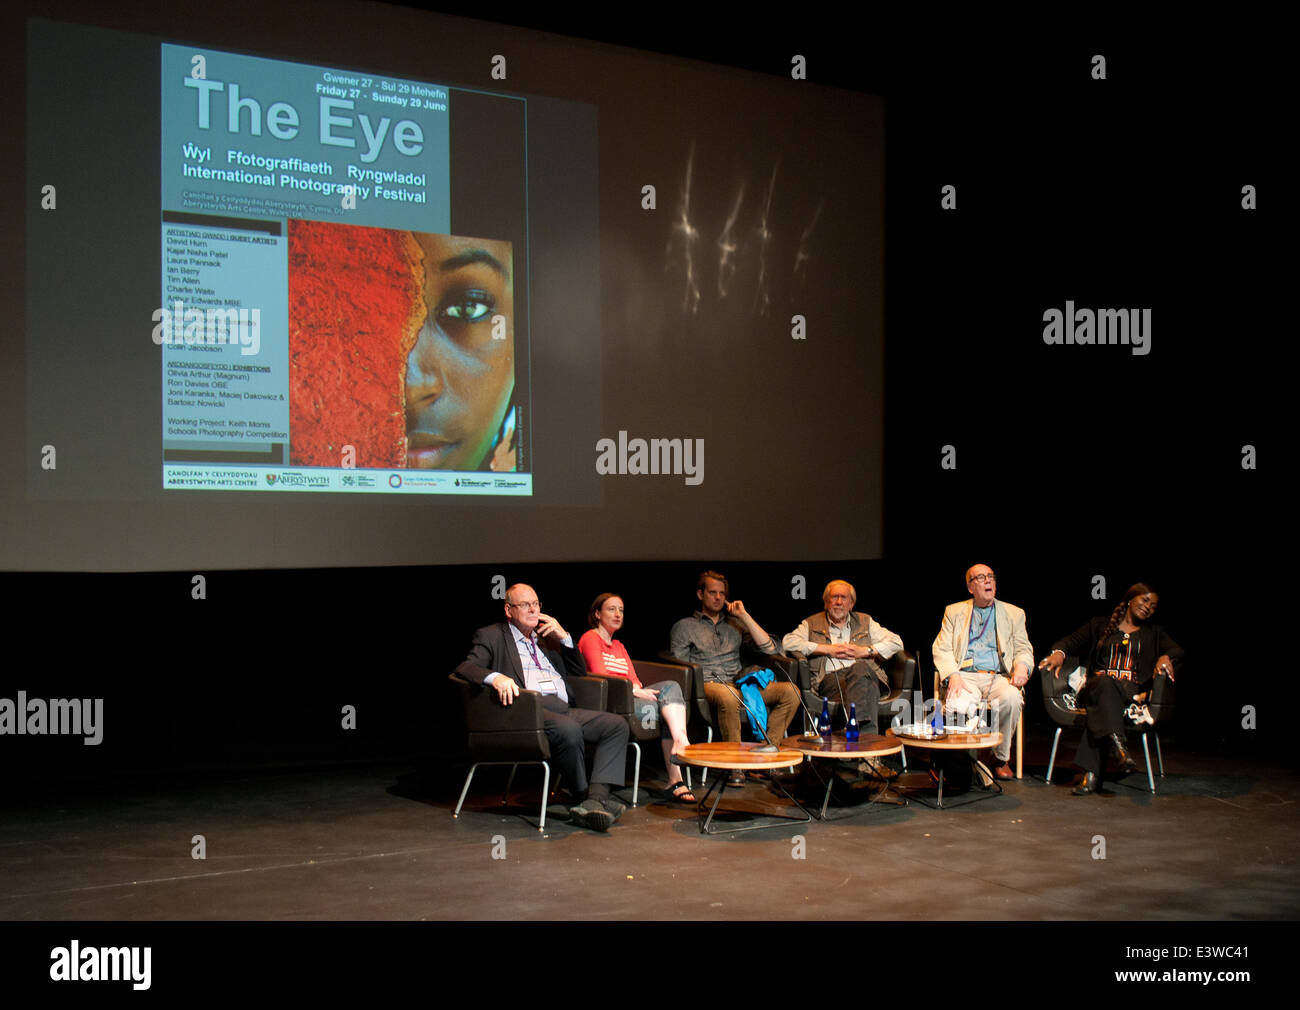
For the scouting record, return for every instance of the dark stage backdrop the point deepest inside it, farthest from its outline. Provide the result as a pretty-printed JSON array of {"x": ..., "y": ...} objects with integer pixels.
[
  {"x": 1057, "y": 464},
  {"x": 265, "y": 683}
]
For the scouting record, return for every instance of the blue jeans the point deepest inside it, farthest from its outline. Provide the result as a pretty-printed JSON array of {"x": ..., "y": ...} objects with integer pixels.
[{"x": 647, "y": 712}]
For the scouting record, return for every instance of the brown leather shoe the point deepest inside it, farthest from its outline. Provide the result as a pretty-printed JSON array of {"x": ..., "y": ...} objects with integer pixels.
[{"x": 1003, "y": 771}]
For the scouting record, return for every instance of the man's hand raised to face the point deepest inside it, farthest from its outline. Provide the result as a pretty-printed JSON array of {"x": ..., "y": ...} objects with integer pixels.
[{"x": 549, "y": 628}]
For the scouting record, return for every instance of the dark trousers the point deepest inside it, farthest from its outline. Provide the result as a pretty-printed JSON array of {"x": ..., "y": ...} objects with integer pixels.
[
  {"x": 1105, "y": 698},
  {"x": 569, "y": 730},
  {"x": 857, "y": 685}
]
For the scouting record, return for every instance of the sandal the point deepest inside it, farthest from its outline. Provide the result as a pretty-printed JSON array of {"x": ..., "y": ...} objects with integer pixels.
[{"x": 679, "y": 792}]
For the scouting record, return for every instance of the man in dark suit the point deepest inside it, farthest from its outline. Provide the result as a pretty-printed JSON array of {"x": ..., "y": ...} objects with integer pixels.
[{"x": 530, "y": 651}]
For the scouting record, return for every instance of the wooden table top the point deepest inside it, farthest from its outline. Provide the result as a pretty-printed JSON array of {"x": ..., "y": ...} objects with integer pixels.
[
  {"x": 870, "y": 745},
  {"x": 951, "y": 741},
  {"x": 737, "y": 756}
]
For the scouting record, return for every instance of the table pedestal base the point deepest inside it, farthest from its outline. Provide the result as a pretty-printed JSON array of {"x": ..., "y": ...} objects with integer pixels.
[
  {"x": 881, "y": 797},
  {"x": 990, "y": 791},
  {"x": 767, "y": 820}
]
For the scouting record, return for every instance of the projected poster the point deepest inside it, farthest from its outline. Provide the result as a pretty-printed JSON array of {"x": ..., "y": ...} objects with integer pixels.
[{"x": 322, "y": 328}]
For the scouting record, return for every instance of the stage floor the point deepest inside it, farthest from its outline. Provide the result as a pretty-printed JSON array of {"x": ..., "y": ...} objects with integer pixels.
[{"x": 1218, "y": 841}]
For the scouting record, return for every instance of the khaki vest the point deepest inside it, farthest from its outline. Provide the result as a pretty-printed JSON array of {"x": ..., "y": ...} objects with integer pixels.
[{"x": 819, "y": 633}]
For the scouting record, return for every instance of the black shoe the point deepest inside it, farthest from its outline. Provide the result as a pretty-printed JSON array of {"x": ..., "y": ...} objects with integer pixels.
[
  {"x": 1127, "y": 766},
  {"x": 591, "y": 814},
  {"x": 1091, "y": 783}
]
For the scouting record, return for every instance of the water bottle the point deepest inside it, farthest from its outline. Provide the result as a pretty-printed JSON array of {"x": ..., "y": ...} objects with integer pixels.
[
  {"x": 824, "y": 720},
  {"x": 936, "y": 722},
  {"x": 851, "y": 733}
]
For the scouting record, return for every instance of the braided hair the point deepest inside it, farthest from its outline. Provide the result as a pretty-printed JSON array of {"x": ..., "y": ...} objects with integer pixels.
[{"x": 1116, "y": 615}]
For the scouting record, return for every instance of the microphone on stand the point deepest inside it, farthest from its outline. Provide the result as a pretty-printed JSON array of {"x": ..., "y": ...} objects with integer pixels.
[
  {"x": 764, "y": 748},
  {"x": 769, "y": 747},
  {"x": 812, "y": 719}
]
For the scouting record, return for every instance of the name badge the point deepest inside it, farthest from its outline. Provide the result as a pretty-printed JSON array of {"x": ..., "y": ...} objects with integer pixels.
[{"x": 968, "y": 662}]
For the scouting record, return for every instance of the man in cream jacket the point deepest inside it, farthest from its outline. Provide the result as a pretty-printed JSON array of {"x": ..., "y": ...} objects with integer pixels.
[{"x": 981, "y": 643}]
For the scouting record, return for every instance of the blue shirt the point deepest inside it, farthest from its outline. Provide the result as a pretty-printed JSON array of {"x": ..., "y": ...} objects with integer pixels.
[{"x": 982, "y": 645}]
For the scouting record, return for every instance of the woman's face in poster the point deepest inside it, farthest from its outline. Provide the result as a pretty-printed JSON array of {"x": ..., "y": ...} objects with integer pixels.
[{"x": 461, "y": 372}]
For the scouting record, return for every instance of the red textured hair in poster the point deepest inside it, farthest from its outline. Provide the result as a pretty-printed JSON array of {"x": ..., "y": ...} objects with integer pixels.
[
  {"x": 401, "y": 344},
  {"x": 355, "y": 308}
]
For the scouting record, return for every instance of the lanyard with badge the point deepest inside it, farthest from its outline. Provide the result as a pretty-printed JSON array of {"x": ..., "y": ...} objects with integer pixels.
[{"x": 545, "y": 683}]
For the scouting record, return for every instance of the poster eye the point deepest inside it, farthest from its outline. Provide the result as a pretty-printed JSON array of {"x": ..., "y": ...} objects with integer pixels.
[{"x": 468, "y": 307}]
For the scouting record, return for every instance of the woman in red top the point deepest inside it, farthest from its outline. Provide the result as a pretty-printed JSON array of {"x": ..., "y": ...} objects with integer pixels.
[{"x": 606, "y": 657}]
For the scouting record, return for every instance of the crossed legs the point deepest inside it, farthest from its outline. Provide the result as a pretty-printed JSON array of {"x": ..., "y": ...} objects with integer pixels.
[
  {"x": 671, "y": 707},
  {"x": 1005, "y": 703},
  {"x": 781, "y": 698}
]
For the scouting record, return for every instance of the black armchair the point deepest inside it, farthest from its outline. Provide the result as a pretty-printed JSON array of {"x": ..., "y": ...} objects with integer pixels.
[
  {"x": 515, "y": 734},
  {"x": 900, "y": 668},
  {"x": 620, "y": 702},
  {"x": 1058, "y": 706},
  {"x": 1160, "y": 703}
]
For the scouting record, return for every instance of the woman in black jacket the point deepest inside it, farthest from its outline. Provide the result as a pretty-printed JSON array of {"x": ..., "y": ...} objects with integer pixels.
[{"x": 1124, "y": 654}]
